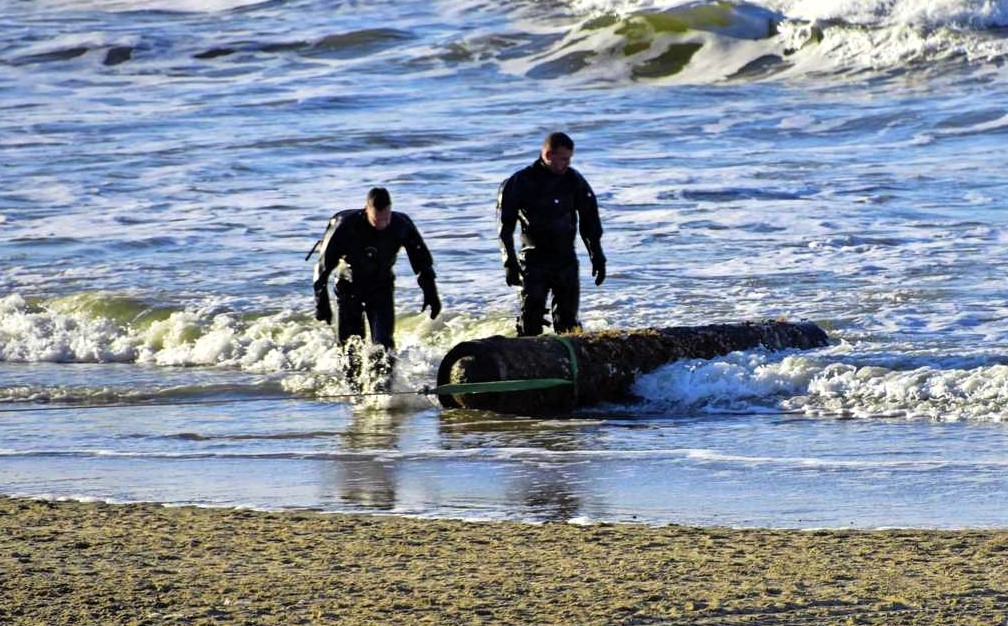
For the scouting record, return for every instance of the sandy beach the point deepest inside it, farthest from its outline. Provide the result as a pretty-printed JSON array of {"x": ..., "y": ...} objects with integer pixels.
[{"x": 87, "y": 563}]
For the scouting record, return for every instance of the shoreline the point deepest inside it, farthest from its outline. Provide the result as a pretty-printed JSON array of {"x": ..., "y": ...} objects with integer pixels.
[{"x": 70, "y": 562}]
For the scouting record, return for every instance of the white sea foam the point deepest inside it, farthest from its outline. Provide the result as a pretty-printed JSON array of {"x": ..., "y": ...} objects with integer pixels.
[
  {"x": 824, "y": 386},
  {"x": 970, "y": 13},
  {"x": 812, "y": 38},
  {"x": 300, "y": 350}
]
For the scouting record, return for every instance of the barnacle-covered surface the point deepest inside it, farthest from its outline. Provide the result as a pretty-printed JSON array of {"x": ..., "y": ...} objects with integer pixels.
[{"x": 605, "y": 364}]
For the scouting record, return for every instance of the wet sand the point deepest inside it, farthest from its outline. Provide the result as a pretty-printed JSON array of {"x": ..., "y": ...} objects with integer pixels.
[{"x": 85, "y": 563}]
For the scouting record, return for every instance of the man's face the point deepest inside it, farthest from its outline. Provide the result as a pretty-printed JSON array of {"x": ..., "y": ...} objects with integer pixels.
[
  {"x": 379, "y": 218},
  {"x": 558, "y": 160}
]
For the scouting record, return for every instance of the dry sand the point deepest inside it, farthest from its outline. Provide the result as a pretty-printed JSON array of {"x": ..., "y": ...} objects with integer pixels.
[{"x": 80, "y": 563}]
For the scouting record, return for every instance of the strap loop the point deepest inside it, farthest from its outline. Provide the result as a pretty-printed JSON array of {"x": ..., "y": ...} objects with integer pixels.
[{"x": 573, "y": 364}]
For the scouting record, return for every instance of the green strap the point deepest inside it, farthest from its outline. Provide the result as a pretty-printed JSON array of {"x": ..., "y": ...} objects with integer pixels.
[
  {"x": 498, "y": 386},
  {"x": 494, "y": 386},
  {"x": 573, "y": 363}
]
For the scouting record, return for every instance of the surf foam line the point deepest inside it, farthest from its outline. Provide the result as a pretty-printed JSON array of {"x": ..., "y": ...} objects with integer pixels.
[
  {"x": 222, "y": 401},
  {"x": 712, "y": 42},
  {"x": 105, "y": 328},
  {"x": 504, "y": 386},
  {"x": 840, "y": 382}
]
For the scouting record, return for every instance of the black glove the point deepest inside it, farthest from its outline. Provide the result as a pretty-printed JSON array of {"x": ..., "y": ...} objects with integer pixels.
[
  {"x": 323, "y": 310},
  {"x": 512, "y": 275},
  {"x": 431, "y": 300},
  {"x": 430, "y": 295},
  {"x": 598, "y": 269},
  {"x": 343, "y": 287}
]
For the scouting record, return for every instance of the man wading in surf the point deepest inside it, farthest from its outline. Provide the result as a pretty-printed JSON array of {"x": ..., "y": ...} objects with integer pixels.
[
  {"x": 361, "y": 247},
  {"x": 547, "y": 198}
]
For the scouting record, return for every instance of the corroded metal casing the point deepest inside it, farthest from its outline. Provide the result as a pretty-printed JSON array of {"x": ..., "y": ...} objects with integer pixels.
[{"x": 602, "y": 366}]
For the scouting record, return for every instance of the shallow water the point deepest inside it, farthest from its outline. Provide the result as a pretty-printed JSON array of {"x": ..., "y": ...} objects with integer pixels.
[{"x": 167, "y": 166}]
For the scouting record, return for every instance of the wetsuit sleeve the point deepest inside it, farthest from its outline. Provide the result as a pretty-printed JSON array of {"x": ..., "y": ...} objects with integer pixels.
[
  {"x": 416, "y": 250},
  {"x": 332, "y": 250},
  {"x": 589, "y": 223},
  {"x": 423, "y": 266},
  {"x": 507, "y": 219}
]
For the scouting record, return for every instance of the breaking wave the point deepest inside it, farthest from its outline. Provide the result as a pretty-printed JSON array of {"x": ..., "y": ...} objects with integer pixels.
[
  {"x": 826, "y": 384},
  {"x": 287, "y": 349},
  {"x": 715, "y": 41},
  {"x": 286, "y": 352},
  {"x": 594, "y": 41}
]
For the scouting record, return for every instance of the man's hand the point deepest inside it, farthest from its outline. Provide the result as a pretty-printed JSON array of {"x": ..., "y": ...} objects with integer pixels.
[
  {"x": 434, "y": 302},
  {"x": 430, "y": 294},
  {"x": 598, "y": 270},
  {"x": 323, "y": 310},
  {"x": 323, "y": 313},
  {"x": 512, "y": 275}
]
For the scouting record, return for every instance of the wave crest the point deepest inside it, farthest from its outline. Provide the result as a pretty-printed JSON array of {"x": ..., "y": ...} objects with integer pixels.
[
  {"x": 706, "y": 42},
  {"x": 826, "y": 385}
]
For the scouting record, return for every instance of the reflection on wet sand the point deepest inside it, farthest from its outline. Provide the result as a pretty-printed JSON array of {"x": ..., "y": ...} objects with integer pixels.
[
  {"x": 367, "y": 480},
  {"x": 546, "y": 493},
  {"x": 536, "y": 474},
  {"x": 388, "y": 462}
]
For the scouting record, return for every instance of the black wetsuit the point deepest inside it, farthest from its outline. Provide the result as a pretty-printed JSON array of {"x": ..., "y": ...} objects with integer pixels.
[
  {"x": 548, "y": 206},
  {"x": 364, "y": 287}
]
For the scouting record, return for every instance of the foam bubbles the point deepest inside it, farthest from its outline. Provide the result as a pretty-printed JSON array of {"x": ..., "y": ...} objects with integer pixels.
[
  {"x": 749, "y": 381},
  {"x": 835, "y": 382},
  {"x": 978, "y": 394},
  {"x": 302, "y": 353},
  {"x": 31, "y": 334},
  {"x": 972, "y": 13}
]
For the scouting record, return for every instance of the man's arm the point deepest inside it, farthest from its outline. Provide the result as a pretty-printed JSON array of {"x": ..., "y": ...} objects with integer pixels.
[
  {"x": 423, "y": 266},
  {"x": 328, "y": 258},
  {"x": 590, "y": 226},
  {"x": 416, "y": 250},
  {"x": 507, "y": 219}
]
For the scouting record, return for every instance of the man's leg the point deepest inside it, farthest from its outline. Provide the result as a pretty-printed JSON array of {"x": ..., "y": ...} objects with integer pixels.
[
  {"x": 349, "y": 317},
  {"x": 533, "y": 302},
  {"x": 380, "y": 310},
  {"x": 566, "y": 285},
  {"x": 350, "y": 322}
]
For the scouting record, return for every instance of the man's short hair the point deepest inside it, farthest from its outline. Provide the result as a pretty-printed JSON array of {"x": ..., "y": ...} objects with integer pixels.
[
  {"x": 556, "y": 140},
  {"x": 379, "y": 198}
]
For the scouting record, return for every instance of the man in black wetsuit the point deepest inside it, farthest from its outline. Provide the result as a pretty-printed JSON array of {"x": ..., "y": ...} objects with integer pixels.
[
  {"x": 361, "y": 247},
  {"x": 547, "y": 198}
]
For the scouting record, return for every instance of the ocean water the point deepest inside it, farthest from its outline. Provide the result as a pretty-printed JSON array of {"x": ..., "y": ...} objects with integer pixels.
[{"x": 166, "y": 165}]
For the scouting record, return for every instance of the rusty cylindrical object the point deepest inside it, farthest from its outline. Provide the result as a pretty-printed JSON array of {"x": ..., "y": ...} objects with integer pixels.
[{"x": 600, "y": 366}]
